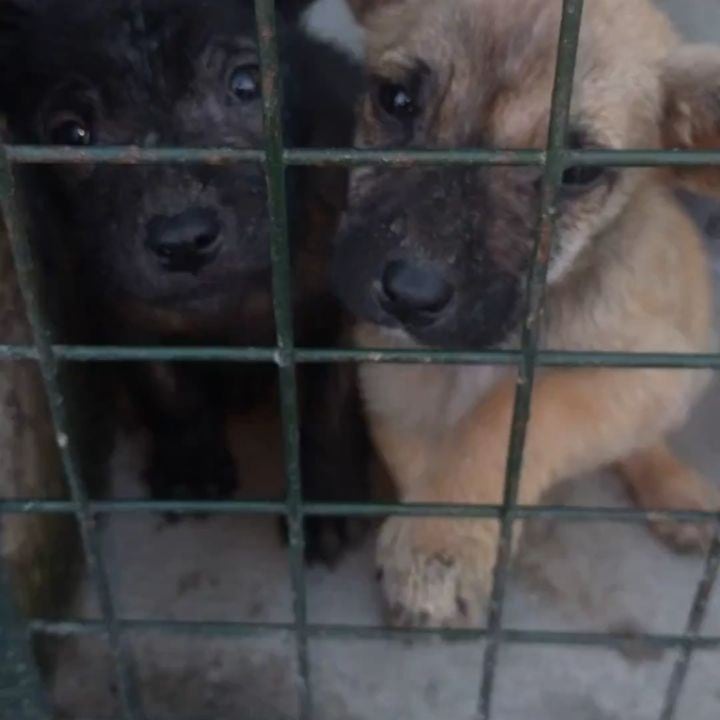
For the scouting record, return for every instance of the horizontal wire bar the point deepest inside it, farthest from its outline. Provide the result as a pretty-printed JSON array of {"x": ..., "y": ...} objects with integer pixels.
[
  {"x": 579, "y": 514},
  {"x": 468, "y": 156},
  {"x": 132, "y": 506},
  {"x": 18, "y": 352},
  {"x": 128, "y": 155},
  {"x": 210, "y": 628},
  {"x": 179, "y": 354},
  {"x": 640, "y": 158},
  {"x": 547, "y": 358},
  {"x": 68, "y": 628},
  {"x": 132, "y": 155}
]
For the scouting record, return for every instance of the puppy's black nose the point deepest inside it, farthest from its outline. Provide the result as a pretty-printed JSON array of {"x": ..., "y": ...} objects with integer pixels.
[
  {"x": 413, "y": 292},
  {"x": 185, "y": 242}
]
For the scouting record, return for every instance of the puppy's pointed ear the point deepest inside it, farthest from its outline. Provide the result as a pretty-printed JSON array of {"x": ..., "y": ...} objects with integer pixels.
[{"x": 691, "y": 111}]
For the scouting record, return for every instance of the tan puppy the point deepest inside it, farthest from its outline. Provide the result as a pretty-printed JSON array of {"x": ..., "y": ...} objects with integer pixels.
[{"x": 439, "y": 257}]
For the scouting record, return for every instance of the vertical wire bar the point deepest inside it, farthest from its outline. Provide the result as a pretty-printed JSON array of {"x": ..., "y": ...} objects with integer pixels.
[
  {"x": 693, "y": 627},
  {"x": 22, "y": 696},
  {"x": 282, "y": 299},
  {"x": 10, "y": 207},
  {"x": 569, "y": 38}
]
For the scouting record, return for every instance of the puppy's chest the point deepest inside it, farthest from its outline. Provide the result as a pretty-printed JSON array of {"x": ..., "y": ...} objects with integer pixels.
[{"x": 425, "y": 397}]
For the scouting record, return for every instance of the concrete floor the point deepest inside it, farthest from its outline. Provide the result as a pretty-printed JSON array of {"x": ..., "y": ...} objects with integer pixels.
[{"x": 597, "y": 577}]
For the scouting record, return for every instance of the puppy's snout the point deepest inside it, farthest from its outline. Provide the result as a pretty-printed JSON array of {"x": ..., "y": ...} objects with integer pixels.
[
  {"x": 186, "y": 242},
  {"x": 413, "y": 292}
]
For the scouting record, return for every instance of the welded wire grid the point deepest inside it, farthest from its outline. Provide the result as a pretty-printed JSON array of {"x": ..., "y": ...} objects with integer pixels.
[{"x": 20, "y": 693}]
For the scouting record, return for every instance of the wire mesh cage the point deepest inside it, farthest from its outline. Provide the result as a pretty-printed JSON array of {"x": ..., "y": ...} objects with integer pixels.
[{"x": 21, "y": 694}]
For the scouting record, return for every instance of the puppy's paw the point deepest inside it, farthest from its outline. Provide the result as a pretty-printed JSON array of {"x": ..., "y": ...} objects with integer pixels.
[
  {"x": 328, "y": 539},
  {"x": 684, "y": 491},
  {"x": 436, "y": 572}
]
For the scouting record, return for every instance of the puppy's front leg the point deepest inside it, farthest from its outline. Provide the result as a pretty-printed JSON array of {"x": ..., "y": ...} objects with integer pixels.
[
  {"x": 189, "y": 456},
  {"x": 335, "y": 456},
  {"x": 438, "y": 571}
]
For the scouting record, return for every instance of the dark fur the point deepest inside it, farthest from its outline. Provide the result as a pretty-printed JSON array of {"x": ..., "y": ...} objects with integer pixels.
[
  {"x": 163, "y": 82},
  {"x": 454, "y": 221}
]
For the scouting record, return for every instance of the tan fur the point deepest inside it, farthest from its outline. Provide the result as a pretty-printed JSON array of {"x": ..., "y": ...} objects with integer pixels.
[{"x": 630, "y": 275}]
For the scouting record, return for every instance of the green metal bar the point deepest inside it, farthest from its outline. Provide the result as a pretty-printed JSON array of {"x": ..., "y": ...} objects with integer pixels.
[
  {"x": 133, "y": 155},
  {"x": 693, "y": 628},
  {"x": 22, "y": 695},
  {"x": 155, "y": 717},
  {"x": 399, "y": 158},
  {"x": 552, "y": 177},
  {"x": 370, "y": 510},
  {"x": 48, "y": 365},
  {"x": 128, "y": 155},
  {"x": 282, "y": 301},
  {"x": 82, "y": 627},
  {"x": 77, "y": 353},
  {"x": 113, "y": 507},
  {"x": 435, "y": 357},
  {"x": 17, "y": 352},
  {"x": 641, "y": 158},
  {"x": 545, "y": 358}
]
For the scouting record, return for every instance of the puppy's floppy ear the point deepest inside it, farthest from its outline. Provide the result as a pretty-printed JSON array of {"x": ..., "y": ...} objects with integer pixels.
[
  {"x": 362, "y": 8},
  {"x": 691, "y": 84},
  {"x": 15, "y": 19},
  {"x": 691, "y": 111}
]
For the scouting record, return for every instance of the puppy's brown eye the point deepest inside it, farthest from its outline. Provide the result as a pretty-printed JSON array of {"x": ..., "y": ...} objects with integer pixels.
[
  {"x": 245, "y": 82},
  {"x": 398, "y": 101},
  {"x": 582, "y": 176},
  {"x": 69, "y": 129}
]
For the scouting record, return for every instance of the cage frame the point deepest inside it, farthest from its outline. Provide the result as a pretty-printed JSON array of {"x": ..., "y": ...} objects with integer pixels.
[{"x": 20, "y": 689}]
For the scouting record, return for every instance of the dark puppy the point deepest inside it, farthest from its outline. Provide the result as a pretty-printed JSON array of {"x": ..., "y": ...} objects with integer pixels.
[{"x": 179, "y": 254}]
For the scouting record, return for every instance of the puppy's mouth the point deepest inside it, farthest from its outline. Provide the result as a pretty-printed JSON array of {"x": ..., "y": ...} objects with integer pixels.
[
  {"x": 445, "y": 332},
  {"x": 197, "y": 294},
  {"x": 410, "y": 323},
  {"x": 212, "y": 287}
]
